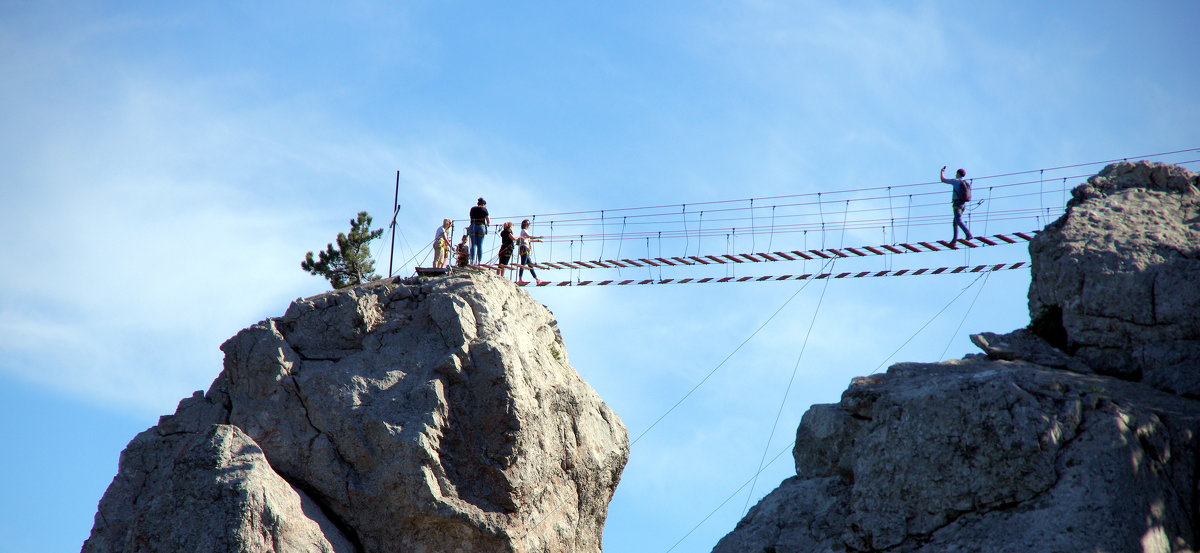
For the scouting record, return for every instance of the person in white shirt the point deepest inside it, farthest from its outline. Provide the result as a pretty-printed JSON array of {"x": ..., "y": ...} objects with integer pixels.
[
  {"x": 441, "y": 243},
  {"x": 525, "y": 248}
]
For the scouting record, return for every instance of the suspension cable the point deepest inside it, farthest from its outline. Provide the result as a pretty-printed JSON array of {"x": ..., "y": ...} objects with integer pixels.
[
  {"x": 875, "y": 188},
  {"x": 722, "y": 363}
]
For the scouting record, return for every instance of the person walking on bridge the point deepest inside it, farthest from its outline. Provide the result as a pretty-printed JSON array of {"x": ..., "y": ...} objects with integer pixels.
[
  {"x": 525, "y": 248},
  {"x": 959, "y": 197}
]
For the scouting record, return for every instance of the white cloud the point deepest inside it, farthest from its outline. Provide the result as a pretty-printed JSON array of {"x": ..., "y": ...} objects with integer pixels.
[{"x": 160, "y": 216}]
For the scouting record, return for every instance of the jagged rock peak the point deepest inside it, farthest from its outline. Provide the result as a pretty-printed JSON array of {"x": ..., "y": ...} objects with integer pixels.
[
  {"x": 430, "y": 415},
  {"x": 1081, "y": 433},
  {"x": 1116, "y": 279}
]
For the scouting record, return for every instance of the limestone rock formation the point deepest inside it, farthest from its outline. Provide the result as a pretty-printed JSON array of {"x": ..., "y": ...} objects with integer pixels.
[
  {"x": 1080, "y": 434},
  {"x": 218, "y": 493},
  {"x": 427, "y": 416},
  {"x": 1116, "y": 280},
  {"x": 987, "y": 456},
  {"x": 1024, "y": 345}
]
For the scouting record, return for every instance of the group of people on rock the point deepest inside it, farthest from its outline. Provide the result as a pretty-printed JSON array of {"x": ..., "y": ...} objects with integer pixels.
[{"x": 469, "y": 251}]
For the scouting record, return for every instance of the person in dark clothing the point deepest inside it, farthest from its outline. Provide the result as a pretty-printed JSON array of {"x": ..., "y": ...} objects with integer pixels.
[
  {"x": 506, "y": 246},
  {"x": 477, "y": 230},
  {"x": 959, "y": 197}
]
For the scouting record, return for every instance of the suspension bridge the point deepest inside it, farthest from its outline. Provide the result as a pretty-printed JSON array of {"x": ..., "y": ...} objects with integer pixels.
[{"x": 711, "y": 241}]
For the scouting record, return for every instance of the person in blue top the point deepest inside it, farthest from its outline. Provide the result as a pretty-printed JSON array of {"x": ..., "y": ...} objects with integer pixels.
[{"x": 960, "y": 196}]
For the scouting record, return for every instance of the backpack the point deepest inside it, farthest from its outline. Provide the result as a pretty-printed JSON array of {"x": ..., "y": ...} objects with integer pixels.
[{"x": 966, "y": 190}]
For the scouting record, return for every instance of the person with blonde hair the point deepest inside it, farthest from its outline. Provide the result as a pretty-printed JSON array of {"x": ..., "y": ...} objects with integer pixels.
[{"x": 441, "y": 244}]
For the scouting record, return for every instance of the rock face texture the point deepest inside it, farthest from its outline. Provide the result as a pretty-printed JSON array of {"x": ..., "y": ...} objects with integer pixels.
[
  {"x": 987, "y": 456},
  {"x": 1116, "y": 281},
  {"x": 432, "y": 416},
  {"x": 1079, "y": 434}
]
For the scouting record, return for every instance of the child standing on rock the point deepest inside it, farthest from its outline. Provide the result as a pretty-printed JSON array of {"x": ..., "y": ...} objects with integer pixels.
[{"x": 463, "y": 252}]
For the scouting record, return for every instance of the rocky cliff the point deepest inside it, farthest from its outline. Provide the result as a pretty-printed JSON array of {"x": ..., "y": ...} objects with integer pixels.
[
  {"x": 1081, "y": 433},
  {"x": 1116, "y": 282},
  {"x": 434, "y": 416}
]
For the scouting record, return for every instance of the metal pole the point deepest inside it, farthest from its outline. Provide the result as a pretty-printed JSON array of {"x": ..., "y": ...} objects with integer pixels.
[{"x": 395, "y": 211}]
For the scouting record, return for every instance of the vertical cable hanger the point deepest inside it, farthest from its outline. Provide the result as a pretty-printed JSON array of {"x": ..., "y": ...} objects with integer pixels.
[
  {"x": 842, "y": 236},
  {"x": 1041, "y": 191},
  {"x": 988, "y": 214},
  {"x": 891, "y": 221},
  {"x": 727, "y": 268},
  {"x": 805, "y": 262},
  {"x": 649, "y": 268},
  {"x": 753, "y": 227},
  {"x": 821, "y": 210},
  {"x": 886, "y": 267},
  {"x": 771, "y": 236},
  {"x": 660, "y": 254},
  {"x": 620, "y": 242},
  {"x": 685, "y": 230},
  {"x": 908, "y": 220},
  {"x": 730, "y": 251},
  {"x": 602, "y": 237}
]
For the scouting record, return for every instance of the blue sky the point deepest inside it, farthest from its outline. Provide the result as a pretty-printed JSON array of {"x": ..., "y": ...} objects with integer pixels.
[{"x": 167, "y": 166}]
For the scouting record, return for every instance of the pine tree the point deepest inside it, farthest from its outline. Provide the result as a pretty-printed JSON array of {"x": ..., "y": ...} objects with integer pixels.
[{"x": 350, "y": 264}]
